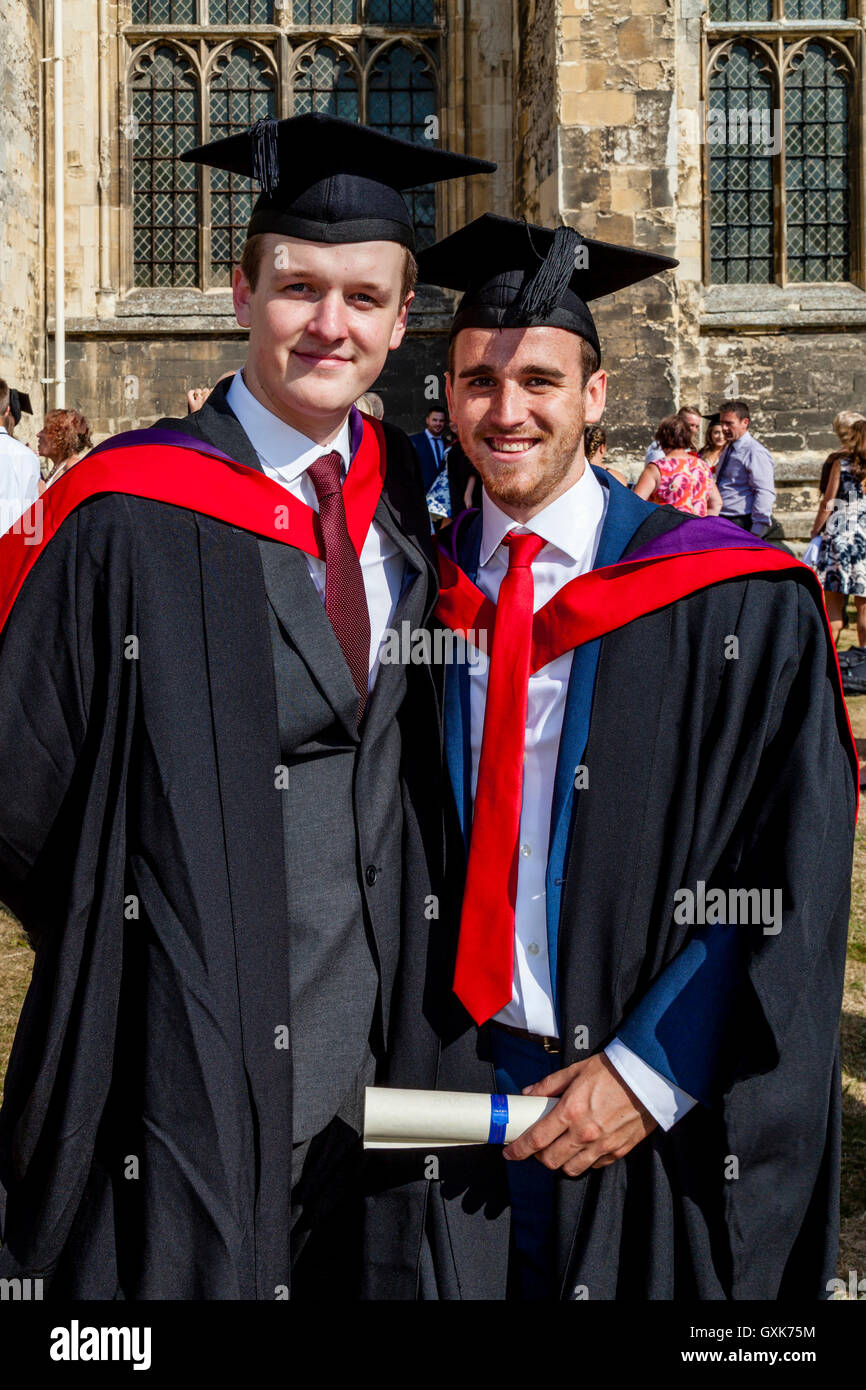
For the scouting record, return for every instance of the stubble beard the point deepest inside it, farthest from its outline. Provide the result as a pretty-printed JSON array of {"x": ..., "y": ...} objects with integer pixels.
[{"x": 509, "y": 484}]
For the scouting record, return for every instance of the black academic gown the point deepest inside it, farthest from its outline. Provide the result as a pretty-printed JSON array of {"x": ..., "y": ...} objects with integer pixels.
[
  {"x": 700, "y": 767},
  {"x": 146, "y": 1133}
]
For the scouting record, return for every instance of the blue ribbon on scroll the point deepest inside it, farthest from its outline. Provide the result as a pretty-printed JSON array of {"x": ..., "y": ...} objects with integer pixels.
[{"x": 498, "y": 1119}]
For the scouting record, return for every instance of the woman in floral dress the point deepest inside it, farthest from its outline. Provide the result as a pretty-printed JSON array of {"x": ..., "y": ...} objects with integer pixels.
[
  {"x": 682, "y": 478},
  {"x": 841, "y": 565}
]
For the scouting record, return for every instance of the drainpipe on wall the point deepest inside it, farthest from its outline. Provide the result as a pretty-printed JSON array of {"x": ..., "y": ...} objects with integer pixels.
[{"x": 59, "y": 247}]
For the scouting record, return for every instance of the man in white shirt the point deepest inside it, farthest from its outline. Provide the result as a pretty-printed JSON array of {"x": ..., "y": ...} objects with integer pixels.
[
  {"x": 637, "y": 737},
  {"x": 241, "y": 812},
  {"x": 19, "y": 466}
]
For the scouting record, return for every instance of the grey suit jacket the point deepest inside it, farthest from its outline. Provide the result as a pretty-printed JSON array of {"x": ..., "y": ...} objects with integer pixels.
[{"x": 342, "y": 793}]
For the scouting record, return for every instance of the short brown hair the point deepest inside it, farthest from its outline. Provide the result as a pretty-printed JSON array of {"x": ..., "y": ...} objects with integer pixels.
[
  {"x": 673, "y": 433},
  {"x": 688, "y": 410},
  {"x": 737, "y": 407},
  {"x": 254, "y": 249},
  {"x": 588, "y": 358},
  {"x": 4, "y": 396}
]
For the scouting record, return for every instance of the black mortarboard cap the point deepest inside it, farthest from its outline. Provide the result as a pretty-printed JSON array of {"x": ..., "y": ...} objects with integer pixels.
[
  {"x": 324, "y": 179},
  {"x": 19, "y": 401},
  {"x": 517, "y": 275}
]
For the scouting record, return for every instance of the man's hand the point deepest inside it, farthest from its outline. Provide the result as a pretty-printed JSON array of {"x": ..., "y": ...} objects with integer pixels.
[{"x": 598, "y": 1119}]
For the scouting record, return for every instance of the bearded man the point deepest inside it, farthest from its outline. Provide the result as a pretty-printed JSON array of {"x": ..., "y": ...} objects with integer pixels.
[{"x": 654, "y": 789}]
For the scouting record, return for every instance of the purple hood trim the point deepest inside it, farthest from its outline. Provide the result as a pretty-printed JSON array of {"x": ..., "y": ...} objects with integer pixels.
[
  {"x": 130, "y": 438},
  {"x": 703, "y": 533}
]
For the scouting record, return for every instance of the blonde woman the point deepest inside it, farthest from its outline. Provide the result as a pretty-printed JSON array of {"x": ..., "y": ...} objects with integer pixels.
[{"x": 841, "y": 565}]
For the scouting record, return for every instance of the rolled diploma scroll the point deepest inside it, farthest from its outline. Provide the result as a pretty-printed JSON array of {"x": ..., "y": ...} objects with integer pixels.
[{"x": 395, "y": 1119}]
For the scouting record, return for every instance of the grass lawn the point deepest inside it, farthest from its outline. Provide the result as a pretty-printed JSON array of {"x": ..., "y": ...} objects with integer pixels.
[{"x": 15, "y": 961}]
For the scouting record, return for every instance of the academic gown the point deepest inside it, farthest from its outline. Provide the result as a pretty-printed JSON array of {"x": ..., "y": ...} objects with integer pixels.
[
  {"x": 146, "y": 1133},
  {"x": 701, "y": 766}
]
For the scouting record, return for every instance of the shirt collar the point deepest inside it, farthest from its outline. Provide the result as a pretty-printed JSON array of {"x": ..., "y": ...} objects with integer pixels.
[
  {"x": 284, "y": 449},
  {"x": 568, "y": 523}
]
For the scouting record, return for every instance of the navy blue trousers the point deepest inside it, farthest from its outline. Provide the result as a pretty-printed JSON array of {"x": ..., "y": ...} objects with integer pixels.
[{"x": 518, "y": 1063}]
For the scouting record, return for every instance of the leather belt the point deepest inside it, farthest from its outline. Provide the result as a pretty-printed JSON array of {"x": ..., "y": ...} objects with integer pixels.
[{"x": 551, "y": 1045}]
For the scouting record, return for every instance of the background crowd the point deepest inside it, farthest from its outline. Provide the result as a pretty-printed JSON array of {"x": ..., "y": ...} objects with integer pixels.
[{"x": 708, "y": 465}]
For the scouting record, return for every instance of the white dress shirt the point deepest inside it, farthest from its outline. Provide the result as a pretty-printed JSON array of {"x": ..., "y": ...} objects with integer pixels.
[
  {"x": 19, "y": 479},
  {"x": 571, "y": 529},
  {"x": 285, "y": 455}
]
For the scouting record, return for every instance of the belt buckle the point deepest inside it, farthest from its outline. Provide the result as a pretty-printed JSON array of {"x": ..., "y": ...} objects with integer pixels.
[{"x": 551, "y": 1046}]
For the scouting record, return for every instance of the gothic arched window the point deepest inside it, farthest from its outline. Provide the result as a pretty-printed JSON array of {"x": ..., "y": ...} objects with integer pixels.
[
  {"x": 741, "y": 174},
  {"x": 780, "y": 130},
  {"x": 817, "y": 193},
  {"x": 401, "y": 100},
  {"x": 241, "y": 90},
  {"x": 165, "y": 116},
  {"x": 188, "y": 225}
]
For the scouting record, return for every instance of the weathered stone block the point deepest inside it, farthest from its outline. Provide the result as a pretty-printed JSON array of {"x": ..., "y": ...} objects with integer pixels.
[
  {"x": 598, "y": 108},
  {"x": 635, "y": 38}
]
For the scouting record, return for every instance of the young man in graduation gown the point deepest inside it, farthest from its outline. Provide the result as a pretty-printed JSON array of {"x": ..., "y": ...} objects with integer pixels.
[
  {"x": 213, "y": 790},
  {"x": 654, "y": 788}
]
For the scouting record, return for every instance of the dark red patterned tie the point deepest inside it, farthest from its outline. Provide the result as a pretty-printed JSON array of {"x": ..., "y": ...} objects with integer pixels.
[{"x": 345, "y": 596}]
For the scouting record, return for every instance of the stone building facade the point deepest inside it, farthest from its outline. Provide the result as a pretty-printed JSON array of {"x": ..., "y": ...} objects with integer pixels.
[{"x": 598, "y": 116}]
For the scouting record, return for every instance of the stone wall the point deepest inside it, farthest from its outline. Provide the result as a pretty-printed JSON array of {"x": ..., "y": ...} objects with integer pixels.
[
  {"x": 536, "y": 116},
  {"x": 21, "y": 263},
  {"x": 618, "y": 182}
]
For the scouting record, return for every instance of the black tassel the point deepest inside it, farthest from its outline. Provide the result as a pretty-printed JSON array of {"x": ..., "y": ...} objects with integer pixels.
[
  {"x": 541, "y": 294},
  {"x": 266, "y": 159}
]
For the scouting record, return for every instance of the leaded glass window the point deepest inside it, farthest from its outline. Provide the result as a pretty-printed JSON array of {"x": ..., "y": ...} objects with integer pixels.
[
  {"x": 165, "y": 111},
  {"x": 741, "y": 169},
  {"x": 400, "y": 12},
  {"x": 816, "y": 9},
  {"x": 816, "y": 165},
  {"x": 740, "y": 11},
  {"x": 325, "y": 82},
  {"x": 241, "y": 91},
  {"x": 401, "y": 100},
  {"x": 188, "y": 11},
  {"x": 164, "y": 11},
  {"x": 240, "y": 12},
  {"x": 189, "y": 224},
  {"x": 313, "y": 12}
]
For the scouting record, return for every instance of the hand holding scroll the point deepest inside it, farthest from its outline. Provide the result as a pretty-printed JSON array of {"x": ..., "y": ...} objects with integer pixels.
[{"x": 597, "y": 1120}]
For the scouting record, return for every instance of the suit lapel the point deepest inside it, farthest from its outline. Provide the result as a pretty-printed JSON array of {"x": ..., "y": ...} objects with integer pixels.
[
  {"x": 625, "y": 515},
  {"x": 394, "y": 513},
  {"x": 301, "y": 614},
  {"x": 289, "y": 587}
]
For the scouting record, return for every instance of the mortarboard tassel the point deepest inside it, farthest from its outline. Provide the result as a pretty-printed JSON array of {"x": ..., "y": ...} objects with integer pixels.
[
  {"x": 540, "y": 295},
  {"x": 266, "y": 159}
]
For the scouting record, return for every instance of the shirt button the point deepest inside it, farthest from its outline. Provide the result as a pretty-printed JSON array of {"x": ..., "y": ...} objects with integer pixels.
[
  {"x": 526, "y": 850},
  {"x": 372, "y": 874},
  {"x": 533, "y": 948}
]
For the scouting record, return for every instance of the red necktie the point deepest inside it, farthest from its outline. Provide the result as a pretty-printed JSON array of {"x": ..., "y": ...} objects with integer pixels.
[
  {"x": 485, "y": 952},
  {"x": 345, "y": 596}
]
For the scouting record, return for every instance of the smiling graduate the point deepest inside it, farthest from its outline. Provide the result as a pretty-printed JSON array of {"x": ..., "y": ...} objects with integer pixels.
[
  {"x": 213, "y": 793},
  {"x": 661, "y": 713}
]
